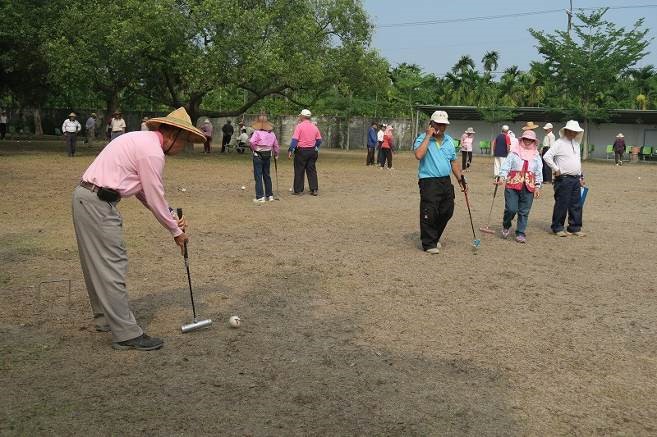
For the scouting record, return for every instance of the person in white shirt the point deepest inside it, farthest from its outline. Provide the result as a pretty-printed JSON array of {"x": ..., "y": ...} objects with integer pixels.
[
  {"x": 70, "y": 129},
  {"x": 117, "y": 124},
  {"x": 3, "y": 125},
  {"x": 548, "y": 141},
  {"x": 564, "y": 159},
  {"x": 379, "y": 140},
  {"x": 144, "y": 126}
]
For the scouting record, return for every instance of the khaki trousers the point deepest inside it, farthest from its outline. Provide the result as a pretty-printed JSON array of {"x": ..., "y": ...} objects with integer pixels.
[{"x": 104, "y": 259}]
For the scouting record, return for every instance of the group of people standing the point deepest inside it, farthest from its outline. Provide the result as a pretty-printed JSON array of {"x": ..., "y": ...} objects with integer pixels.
[
  {"x": 518, "y": 165},
  {"x": 380, "y": 140}
]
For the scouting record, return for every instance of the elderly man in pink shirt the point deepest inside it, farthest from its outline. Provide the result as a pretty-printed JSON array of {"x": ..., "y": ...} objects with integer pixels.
[
  {"x": 132, "y": 164},
  {"x": 305, "y": 143}
]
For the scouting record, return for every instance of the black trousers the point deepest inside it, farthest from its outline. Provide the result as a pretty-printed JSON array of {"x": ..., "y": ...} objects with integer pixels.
[
  {"x": 547, "y": 171},
  {"x": 466, "y": 159},
  {"x": 618, "y": 157},
  {"x": 436, "y": 209},
  {"x": 386, "y": 156},
  {"x": 304, "y": 164},
  {"x": 370, "y": 156},
  {"x": 567, "y": 203},
  {"x": 224, "y": 141}
]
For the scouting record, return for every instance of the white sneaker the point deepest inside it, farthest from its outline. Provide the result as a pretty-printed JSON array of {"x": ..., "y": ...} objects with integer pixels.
[
  {"x": 270, "y": 199},
  {"x": 260, "y": 200},
  {"x": 433, "y": 251}
]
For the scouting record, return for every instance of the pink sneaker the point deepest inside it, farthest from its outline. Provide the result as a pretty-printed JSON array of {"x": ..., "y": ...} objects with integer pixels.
[{"x": 521, "y": 239}]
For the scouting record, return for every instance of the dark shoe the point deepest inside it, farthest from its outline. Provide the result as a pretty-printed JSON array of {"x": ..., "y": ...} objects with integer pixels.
[
  {"x": 141, "y": 343},
  {"x": 103, "y": 328},
  {"x": 314, "y": 193},
  {"x": 296, "y": 193}
]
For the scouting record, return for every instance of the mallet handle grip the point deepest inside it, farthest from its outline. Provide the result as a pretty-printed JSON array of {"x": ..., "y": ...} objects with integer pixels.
[{"x": 179, "y": 213}]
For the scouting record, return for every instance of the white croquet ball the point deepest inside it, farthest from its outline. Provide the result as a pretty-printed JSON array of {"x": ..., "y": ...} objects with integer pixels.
[
  {"x": 243, "y": 187},
  {"x": 235, "y": 321},
  {"x": 290, "y": 190},
  {"x": 639, "y": 177}
]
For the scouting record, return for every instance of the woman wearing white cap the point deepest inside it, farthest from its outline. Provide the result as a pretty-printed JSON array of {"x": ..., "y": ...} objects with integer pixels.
[
  {"x": 619, "y": 148},
  {"x": 564, "y": 159},
  {"x": 466, "y": 148},
  {"x": 548, "y": 140}
]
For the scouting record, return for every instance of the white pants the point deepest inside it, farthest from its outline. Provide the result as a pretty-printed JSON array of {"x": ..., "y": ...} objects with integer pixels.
[{"x": 498, "y": 165}]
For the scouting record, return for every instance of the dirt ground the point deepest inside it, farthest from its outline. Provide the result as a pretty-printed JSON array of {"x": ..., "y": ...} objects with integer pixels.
[{"x": 348, "y": 327}]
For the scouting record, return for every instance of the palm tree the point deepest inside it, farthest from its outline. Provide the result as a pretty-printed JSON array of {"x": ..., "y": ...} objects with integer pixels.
[
  {"x": 490, "y": 61},
  {"x": 464, "y": 64}
]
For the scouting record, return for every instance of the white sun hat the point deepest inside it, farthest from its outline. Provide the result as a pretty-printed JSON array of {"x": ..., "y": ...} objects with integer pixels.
[
  {"x": 548, "y": 126},
  {"x": 572, "y": 125},
  {"x": 440, "y": 117},
  {"x": 306, "y": 113},
  {"x": 505, "y": 128}
]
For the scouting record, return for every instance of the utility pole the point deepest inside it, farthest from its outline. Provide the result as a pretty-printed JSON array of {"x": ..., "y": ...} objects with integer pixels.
[{"x": 569, "y": 12}]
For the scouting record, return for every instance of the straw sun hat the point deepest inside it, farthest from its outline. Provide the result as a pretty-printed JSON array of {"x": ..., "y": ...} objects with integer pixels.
[
  {"x": 180, "y": 119},
  {"x": 529, "y": 126},
  {"x": 262, "y": 123}
]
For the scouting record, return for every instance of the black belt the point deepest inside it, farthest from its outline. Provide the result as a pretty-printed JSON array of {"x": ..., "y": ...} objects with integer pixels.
[
  {"x": 569, "y": 176},
  {"x": 104, "y": 194},
  {"x": 89, "y": 186}
]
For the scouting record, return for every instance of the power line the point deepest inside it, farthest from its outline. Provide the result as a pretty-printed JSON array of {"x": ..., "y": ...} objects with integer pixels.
[{"x": 497, "y": 17}]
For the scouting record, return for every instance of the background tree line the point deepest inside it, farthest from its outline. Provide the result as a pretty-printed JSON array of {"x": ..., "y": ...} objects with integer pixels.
[{"x": 227, "y": 57}]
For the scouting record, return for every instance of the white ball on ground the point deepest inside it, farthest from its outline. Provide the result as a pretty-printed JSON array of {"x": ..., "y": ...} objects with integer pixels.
[
  {"x": 243, "y": 187},
  {"x": 235, "y": 321},
  {"x": 290, "y": 190}
]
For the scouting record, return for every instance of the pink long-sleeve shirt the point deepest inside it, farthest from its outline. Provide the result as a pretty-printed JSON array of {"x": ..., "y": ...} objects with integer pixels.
[
  {"x": 133, "y": 164},
  {"x": 262, "y": 140},
  {"x": 466, "y": 142}
]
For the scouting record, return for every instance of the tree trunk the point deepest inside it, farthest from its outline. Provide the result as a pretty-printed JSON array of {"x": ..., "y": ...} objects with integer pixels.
[
  {"x": 193, "y": 109},
  {"x": 38, "y": 128},
  {"x": 585, "y": 140}
]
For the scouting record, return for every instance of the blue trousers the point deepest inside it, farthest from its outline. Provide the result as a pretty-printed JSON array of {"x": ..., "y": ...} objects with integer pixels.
[
  {"x": 567, "y": 202},
  {"x": 260, "y": 173},
  {"x": 517, "y": 202}
]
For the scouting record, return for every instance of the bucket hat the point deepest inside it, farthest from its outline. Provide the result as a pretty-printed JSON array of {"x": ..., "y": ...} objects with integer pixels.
[
  {"x": 470, "y": 131},
  {"x": 306, "y": 113},
  {"x": 529, "y": 134},
  {"x": 440, "y": 117},
  {"x": 620, "y": 135},
  {"x": 572, "y": 125},
  {"x": 530, "y": 126},
  {"x": 180, "y": 119},
  {"x": 548, "y": 126},
  {"x": 505, "y": 128},
  {"x": 72, "y": 114}
]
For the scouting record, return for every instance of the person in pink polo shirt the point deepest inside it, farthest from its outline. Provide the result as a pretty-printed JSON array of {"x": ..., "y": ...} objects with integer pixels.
[
  {"x": 264, "y": 146},
  {"x": 131, "y": 164},
  {"x": 305, "y": 143}
]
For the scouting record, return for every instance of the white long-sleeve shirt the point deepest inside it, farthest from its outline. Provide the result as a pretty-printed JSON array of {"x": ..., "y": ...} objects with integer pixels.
[
  {"x": 549, "y": 140},
  {"x": 72, "y": 126},
  {"x": 564, "y": 157}
]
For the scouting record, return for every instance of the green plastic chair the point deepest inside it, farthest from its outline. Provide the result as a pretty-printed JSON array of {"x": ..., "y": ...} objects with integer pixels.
[
  {"x": 610, "y": 150},
  {"x": 645, "y": 152},
  {"x": 484, "y": 146},
  {"x": 457, "y": 145}
]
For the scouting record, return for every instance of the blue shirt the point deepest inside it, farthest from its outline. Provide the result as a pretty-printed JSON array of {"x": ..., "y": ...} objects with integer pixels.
[
  {"x": 500, "y": 148},
  {"x": 438, "y": 160},
  {"x": 371, "y": 138}
]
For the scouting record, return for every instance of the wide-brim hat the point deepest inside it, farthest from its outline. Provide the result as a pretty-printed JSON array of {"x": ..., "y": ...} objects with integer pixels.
[
  {"x": 72, "y": 114},
  {"x": 306, "y": 113},
  {"x": 93, "y": 114},
  {"x": 180, "y": 119},
  {"x": 548, "y": 126},
  {"x": 620, "y": 135},
  {"x": 470, "y": 131},
  {"x": 262, "y": 125},
  {"x": 530, "y": 126},
  {"x": 530, "y": 135},
  {"x": 572, "y": 125},
  {"x": 440, "y": 117}
]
